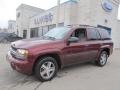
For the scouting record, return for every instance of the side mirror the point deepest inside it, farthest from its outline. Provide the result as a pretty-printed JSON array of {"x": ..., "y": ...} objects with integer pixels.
[{"x": 73, "y": 39}]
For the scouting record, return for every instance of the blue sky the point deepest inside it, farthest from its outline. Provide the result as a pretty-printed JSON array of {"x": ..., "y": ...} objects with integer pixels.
[{"x": 8, "y": 8}]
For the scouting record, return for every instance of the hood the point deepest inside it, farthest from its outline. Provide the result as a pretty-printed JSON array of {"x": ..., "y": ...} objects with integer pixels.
[{"x": 28, "y": 43}]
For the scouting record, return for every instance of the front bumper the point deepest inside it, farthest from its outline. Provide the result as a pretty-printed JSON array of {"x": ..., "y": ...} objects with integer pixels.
[{"x": 18, "y": 65}]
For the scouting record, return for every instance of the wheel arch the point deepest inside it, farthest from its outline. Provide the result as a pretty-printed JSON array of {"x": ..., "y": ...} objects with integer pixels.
[
  {"x": 107, "y": 50},
  {"x": 54, "y": 55}
]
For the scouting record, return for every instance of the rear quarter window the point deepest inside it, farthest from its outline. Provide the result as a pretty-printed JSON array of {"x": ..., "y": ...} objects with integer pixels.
[{"x": 104, "y": 34}]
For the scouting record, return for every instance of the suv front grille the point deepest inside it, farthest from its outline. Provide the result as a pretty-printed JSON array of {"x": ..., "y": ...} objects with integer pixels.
[
  {"x": 13, "y": 48},
  {"x": 13, "y": 52}
]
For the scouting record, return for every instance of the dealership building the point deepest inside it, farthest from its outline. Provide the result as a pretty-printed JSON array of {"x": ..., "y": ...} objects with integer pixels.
[
  {"x": 35, "y": 22},
  {"x": 12, "y": 26}
]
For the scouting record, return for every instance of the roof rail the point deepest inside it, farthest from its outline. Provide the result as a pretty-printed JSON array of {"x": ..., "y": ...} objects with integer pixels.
[
  {"x": 81, "y": 25},
  {"x": 88, "y": 26}
]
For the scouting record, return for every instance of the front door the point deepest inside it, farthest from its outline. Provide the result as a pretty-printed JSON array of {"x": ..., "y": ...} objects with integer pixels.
[{"x": 75, "y": 52}]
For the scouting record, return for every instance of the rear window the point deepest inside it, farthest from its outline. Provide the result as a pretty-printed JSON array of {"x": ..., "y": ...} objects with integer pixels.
[{"x": 104, "y": 34}]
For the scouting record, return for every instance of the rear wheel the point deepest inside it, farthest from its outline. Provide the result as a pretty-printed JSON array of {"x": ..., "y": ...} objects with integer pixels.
[
  {"x": 102, "y": 59},
  {"x": 46, "y": 69}
]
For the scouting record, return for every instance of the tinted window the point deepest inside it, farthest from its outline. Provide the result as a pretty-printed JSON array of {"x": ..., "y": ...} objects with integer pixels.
[
  {"x": 104, "y": 34},
  {"x": 92, "y": 34}
]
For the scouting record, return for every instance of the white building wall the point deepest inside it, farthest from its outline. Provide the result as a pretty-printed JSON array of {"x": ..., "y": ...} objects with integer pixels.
[
  {"x": 92, "y": 13},
  {"x": 117, "y": 35},
  {"x": 100, "y": 15},
  {"x": 26, "y": 12},
  {"x": 65, "y": 16}
]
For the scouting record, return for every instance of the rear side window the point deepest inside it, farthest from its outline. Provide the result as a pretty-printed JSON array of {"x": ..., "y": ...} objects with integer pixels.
[
  {"x": 104, "y": 34},
  {"x": 93, "y": 34}
]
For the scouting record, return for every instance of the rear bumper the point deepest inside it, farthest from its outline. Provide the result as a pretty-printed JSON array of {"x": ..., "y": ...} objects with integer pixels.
[{"x": 18, "y": 65}]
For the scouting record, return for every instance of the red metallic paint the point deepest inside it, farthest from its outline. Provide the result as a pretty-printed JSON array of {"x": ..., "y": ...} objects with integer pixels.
[{"x": 69, "y": 54}]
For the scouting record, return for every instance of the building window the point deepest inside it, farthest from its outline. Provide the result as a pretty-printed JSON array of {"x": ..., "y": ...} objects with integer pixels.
[
  {"x": 40, "y": 32},
  {"x": 61, "y": 24},
  {"x": 34, "y": 32},
  {"x": 18, "y": 14},
  {"x": 45, "y": 29},
  {"x": 17, "y": 32},
  {"x": 51, "y": 26},
  {"x": 24, "y": 33}
]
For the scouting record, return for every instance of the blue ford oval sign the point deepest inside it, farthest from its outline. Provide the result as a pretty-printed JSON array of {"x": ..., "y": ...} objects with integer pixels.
[{"x": 107, "y": 5}]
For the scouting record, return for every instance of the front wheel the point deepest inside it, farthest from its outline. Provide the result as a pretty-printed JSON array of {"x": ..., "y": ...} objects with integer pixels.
[
  {"x": 102, "y": 60},
  {"x": 46, "y": 69}
]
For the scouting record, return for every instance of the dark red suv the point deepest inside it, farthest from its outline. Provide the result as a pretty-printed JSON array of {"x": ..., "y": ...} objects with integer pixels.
[{"x": 58, "y": 48}]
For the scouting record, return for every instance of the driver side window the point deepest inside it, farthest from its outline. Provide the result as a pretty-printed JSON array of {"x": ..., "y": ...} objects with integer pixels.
[{"x": 80, "y": 33}]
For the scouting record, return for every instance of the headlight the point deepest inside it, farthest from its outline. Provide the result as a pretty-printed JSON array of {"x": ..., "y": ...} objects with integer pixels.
[{"x": 22, "y": 53}]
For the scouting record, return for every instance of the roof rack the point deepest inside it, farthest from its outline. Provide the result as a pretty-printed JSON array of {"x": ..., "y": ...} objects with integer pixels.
[
  {"x": 80, "y": 25},
  {"x": 87, "y": 26}
]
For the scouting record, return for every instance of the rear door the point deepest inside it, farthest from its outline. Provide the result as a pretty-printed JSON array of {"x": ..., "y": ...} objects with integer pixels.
[{"x": 93, "y": 44}]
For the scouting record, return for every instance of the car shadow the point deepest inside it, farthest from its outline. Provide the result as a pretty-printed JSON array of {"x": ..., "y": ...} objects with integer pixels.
[{"x": 77, "y": 67}]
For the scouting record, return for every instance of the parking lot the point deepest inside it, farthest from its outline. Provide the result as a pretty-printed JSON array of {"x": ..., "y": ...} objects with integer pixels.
[{"x": 79, "y": 77}]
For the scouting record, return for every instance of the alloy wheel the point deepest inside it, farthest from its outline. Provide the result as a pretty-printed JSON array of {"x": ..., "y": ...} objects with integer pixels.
[
  {"x": 47, "y": 70},
  {"x": 103, "y": 59}
]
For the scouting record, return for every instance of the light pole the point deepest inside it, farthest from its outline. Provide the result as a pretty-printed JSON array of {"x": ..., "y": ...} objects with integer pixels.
[{"x": 58, "y": 13}]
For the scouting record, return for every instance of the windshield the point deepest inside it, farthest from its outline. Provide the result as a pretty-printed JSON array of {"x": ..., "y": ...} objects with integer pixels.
[{"x": 57, "y": 33}]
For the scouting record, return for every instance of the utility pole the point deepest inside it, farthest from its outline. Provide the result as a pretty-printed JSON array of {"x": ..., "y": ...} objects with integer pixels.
[{"x": 58, "y": 13}]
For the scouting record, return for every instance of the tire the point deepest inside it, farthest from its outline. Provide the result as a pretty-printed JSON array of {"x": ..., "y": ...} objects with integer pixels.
[
  {"x": 46, "y": 69},
  {"x": 102, "y": 60}
]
